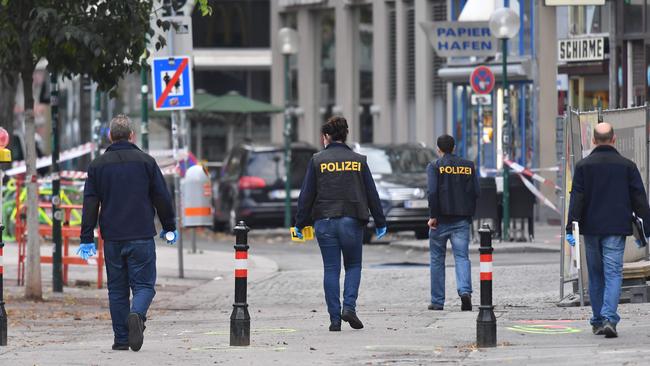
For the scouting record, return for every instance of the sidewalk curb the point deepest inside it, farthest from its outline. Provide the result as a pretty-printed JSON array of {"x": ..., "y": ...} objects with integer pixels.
[{"x": 509, "y": 248}]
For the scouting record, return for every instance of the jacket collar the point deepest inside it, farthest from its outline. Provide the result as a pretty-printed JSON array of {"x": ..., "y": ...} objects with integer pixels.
[
  {"x": 604, "y": 148},
  {"x": 122, "y": 145},
  {"x": 337, "y": 144}
]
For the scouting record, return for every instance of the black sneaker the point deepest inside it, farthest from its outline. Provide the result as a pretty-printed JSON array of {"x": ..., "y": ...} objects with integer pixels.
[
  {"x": 610, "y": 330},
  {"x": 136, "y": 329},
  {"x": 351, "y": 317},
  {"x": 120, "y": 347},
  {"x": 435, "y": 307},
  {"x": 598, "y": 329},
  {"x": 466, "y": 302},
  {"x": 335, "y": 326}
]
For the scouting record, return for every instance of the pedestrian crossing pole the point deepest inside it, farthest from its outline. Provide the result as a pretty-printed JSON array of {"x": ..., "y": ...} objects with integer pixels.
[
  {"x": 486, "y": 323},
  {"x": 240, "y": 319},
  {"x": 5, "y": 157}
]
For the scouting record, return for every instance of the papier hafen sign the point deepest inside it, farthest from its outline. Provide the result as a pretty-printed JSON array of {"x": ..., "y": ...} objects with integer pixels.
[{"x": 460, "y": 39}]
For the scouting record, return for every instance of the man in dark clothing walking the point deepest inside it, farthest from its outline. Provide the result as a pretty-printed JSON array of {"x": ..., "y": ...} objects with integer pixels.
[
  {"x": 129, "y": 187},
  {"x": 606, "y": 190},
  {"x": 337, "y": 193},
  {"x": 453, "y": 190}
]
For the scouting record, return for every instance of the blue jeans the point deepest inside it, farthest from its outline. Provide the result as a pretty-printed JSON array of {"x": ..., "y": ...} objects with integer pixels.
[
  {"x": 458, "y": 234},
  {"x": 605, "y": 265},
  {"x": 130, "y": 267},
  {"x": 336, "y": 236}
]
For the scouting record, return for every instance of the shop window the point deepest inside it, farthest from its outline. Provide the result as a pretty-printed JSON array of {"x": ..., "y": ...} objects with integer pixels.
[
  {"x": 327, "y": 62},
  {"x": 365, "y": 73}
]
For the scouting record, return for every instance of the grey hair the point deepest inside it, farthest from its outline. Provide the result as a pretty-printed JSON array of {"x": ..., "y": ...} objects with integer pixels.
[{"x": 120, "y": 128}]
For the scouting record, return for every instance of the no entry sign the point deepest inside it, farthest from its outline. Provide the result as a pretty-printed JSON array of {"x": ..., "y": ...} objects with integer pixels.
[
  {"x": 482, "y": 80},
  {"x": 172, "y": 83}
]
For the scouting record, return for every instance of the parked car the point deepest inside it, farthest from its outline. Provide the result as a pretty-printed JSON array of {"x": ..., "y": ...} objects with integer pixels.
[
  {"x": 400, "y": 175},
  {"x": 251, "y": 186}
]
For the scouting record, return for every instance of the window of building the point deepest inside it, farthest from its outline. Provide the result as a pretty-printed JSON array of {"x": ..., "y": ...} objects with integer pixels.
[
  {"x": 290, "y": 20},
  {"x": 633, "y": 16},
  {"x": 327, "y": 62},
  {"x": 365, "y": 72},
  {"x": 238, "y": 24}
]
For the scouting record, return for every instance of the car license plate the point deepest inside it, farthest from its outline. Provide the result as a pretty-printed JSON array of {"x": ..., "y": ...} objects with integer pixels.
[
  {"x": 280, "y": 194},
  {"x": 416, "y": 204}
]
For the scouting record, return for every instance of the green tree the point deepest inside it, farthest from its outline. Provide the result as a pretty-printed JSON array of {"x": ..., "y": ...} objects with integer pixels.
[{"x": 101, "y": 39}]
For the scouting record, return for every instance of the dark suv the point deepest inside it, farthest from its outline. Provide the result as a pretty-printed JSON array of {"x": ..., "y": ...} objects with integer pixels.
[
  {"x": 400, "y": 175},
  {"x": 251, "y": 187}
]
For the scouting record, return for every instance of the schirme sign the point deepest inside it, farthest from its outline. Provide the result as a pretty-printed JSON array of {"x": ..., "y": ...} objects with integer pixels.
[{"x": 460, "y": 39}]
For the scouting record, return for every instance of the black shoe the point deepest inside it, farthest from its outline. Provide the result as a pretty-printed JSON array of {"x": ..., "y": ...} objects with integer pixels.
[
  {"x": 120, "y": 347},
  {"x": 136, "y": 327},
  {"x": 435, "y": 307},
  {"x": 335, "y": 326},
  {"x": 598, "y": 329},
  {"x": 466, "y": 302},
  {"x": 610, "y": 330},
  {"x": 351, "y": 317}
]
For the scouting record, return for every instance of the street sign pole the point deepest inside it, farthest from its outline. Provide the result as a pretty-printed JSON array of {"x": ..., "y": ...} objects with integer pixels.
[
  {"x": 506, "y": 144},
  {"x": 177, "y": 193},
  {"x": 57, "y": 280},
  {"x": 144, "y": 106},
  {"x": 287, "y": 142}
]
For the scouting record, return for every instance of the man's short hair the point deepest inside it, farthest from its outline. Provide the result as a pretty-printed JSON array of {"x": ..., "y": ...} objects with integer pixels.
[
  {"x": 336, "y": 127},
  {"x": 446, "y": 144},
  {"x": 120, "y": 128},
  {"x": 604, "y": 138}
]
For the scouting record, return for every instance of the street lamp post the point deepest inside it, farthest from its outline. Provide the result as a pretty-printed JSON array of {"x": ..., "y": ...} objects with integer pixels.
[
  {"x": 504, "y": 24},
  {"x": 288, "y": 39}
]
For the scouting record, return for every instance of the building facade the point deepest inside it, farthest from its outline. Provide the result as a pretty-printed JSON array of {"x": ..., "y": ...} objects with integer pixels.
[{"x": 372, "y": 62}]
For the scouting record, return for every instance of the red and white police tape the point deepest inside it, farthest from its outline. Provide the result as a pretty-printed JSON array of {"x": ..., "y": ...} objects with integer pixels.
[
  {"x": 529, "y": 173},
  {"x": 18, "y": 167}
]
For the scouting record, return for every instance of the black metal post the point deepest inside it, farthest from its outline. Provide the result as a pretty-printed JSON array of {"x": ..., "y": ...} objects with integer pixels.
[
  {"x": 3, "y": 312},
  {"x": 486, "y": 323},
  {"x": 240, "y": 319},
  {"x": 57, "y": 275}
]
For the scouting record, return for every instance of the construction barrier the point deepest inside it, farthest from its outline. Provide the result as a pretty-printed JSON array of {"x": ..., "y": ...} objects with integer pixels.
[{"x": 67, "y": 232}]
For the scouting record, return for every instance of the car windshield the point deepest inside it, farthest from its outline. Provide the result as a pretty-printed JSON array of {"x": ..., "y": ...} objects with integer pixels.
[
  {"x": 397, "y": 160},
  {"x": 269, "y": 165}
]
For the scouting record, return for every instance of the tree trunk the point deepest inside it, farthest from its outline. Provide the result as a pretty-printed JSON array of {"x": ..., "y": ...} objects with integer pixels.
[{"x": 33, "y": 286}]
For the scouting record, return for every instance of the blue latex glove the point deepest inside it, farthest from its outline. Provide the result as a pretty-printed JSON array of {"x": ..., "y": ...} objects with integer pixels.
[
  {"x": 86, "y": 250},
  {"x": 380, "y": 232},
  {"x": 571, "y": 239},
  {"x": 163, "y": 235},
  {"x": 298, "y": 232}
]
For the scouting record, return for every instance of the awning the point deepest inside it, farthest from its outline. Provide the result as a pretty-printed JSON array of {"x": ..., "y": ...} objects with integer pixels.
[
  {"x": 232, "y": 58},
  {"x": 480, "y": 10}
]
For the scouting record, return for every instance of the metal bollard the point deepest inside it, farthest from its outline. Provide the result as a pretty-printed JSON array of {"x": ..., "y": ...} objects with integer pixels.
[
  {"x": 3, "y": 312},
  {"x": 486, "y": 323},
  {"x": 240, "y": 319}
]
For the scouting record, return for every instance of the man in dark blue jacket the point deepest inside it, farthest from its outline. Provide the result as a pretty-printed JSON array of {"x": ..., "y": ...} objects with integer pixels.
[
  {"x": 453, "y": 190},
  {"x": 128, "y": 186},
  {"x": 337, "y": 194},
  {"x": 606, "y": 190}
]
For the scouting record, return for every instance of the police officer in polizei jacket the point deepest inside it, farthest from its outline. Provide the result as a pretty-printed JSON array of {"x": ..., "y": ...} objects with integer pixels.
[
  {"x": 453, "y": 191},
  {"x": 336, "y": 194},
  {"x": 125, "y": 189}
]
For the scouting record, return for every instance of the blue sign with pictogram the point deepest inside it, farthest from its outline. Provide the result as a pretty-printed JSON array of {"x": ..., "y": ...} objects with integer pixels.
[
  {"x": 172, "y": 83},
  {"x": 482, "y": 80}
]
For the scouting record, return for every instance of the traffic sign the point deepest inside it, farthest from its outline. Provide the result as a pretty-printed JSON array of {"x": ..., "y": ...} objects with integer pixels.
[
  {"x": 482, "y": 80},
  {"x": 172, "y": 83}
]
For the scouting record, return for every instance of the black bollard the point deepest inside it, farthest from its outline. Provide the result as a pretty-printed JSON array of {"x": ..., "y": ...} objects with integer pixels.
[
  {"x": 3, "y": 312},
  {"x": 486, "y": 323},
  {"x": 240, "y": 319}
]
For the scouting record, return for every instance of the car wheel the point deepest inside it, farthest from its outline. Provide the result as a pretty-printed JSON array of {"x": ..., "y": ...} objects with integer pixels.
[
  {"x": 367, "y": 236},
  {"x": 422, "y": 234}
]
